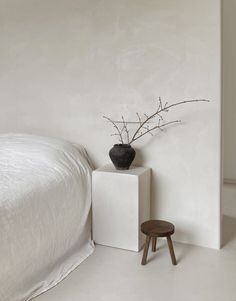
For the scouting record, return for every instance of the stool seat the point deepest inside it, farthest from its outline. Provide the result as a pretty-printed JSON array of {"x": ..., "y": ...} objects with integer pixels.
[
  {"x": 157, "y": 228},
  {"x": 154, "y": 229}
]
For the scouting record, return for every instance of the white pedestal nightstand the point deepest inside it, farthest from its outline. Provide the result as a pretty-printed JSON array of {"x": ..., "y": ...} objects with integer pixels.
[{"x": 121, "y": 202}]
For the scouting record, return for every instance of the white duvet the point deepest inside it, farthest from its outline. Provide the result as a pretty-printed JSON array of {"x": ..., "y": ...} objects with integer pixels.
[{"x": 45, "y": 200}]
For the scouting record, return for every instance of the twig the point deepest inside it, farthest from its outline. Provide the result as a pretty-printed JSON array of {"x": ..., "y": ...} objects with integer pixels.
[
  {"x": 126, "y": 129},
  {"x": 116, "y": 127},
  {"x": 139, "y": 118},
  {"x": 143, "y": 123},
  {"x": 156, "y": 127},
  {"x": 160, "y": 110}
]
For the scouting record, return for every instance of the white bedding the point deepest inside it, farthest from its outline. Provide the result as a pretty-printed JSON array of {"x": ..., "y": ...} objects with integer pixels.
[{"x": 45, "y": 200}]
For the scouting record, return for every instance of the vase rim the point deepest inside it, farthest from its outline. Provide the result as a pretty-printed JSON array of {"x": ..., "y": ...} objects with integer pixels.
[{"x": 122, "y": 145}]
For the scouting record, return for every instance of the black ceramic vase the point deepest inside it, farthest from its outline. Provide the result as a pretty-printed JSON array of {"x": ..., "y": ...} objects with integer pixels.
[{"x": 122, "y": 155}]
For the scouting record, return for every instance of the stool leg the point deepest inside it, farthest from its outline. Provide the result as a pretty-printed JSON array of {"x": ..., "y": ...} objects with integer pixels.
[
  {"x": 154, "y": 243},
  {"x": 145, "y": 251},
  {"x": 171, "y": 249}
]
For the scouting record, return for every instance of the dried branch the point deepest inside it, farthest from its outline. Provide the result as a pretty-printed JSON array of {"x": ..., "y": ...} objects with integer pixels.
[
  {"x": 143, "y": 126},
  {"x": 147, "y": 128},
  {"x": 126, "y": 129},
  {"x": 139, "y": 118},
  {"x": 156, "y": 127},
  {"x": 160, "y": 109},
  {"x": 119, "y": 133}
]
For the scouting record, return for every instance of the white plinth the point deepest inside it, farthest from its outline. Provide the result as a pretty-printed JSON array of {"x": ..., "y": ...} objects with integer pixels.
[{"x": 121, "y": 202}]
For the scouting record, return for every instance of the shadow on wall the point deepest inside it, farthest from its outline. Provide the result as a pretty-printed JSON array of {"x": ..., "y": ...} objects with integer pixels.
[
  {"x": 139, "y": 158},
  {"x": 228, "y": 230}
]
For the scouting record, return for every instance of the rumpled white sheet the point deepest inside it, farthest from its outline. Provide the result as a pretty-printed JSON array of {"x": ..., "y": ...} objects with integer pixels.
[{"x": 45, "y": 200}]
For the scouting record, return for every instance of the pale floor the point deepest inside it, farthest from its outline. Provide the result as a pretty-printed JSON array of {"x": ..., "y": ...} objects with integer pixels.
[{"x": 114, "y": 275}]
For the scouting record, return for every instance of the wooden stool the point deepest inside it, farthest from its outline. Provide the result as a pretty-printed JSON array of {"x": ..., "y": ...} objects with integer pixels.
[{"x": 157, "y": 228}]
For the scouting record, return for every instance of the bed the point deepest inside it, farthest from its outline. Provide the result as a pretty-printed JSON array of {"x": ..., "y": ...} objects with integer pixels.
[{"x": 45, "y": 201}]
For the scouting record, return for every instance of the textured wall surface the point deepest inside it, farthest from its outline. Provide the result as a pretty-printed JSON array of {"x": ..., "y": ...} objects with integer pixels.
[
  {"x": 229, "y": 88},
  {"x": 65, "y": 63}
]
